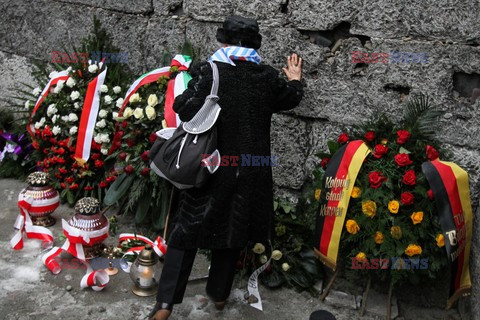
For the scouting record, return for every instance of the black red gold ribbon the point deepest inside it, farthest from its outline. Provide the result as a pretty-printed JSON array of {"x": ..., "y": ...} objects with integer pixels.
[
  {"x": 337, "y": 186},
  {"x": 451, "y": 190}
]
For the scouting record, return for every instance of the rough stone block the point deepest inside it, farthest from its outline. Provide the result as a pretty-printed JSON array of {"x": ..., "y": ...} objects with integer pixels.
[
  {"x": 167, "y": 7},
  {"x": 14, "y": 69},
  {"x": 126, "y": 6}
]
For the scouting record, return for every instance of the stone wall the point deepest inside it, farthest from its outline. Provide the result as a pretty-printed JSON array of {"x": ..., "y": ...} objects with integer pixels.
[{"x": 338, "y": 92}]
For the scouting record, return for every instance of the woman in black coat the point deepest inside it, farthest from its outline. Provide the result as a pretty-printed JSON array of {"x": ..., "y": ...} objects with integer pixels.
[{"x": 236, "y": 206}]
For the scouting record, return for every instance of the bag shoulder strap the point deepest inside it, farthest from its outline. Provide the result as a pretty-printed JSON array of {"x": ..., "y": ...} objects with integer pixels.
[{"x": 215, "y": 83}]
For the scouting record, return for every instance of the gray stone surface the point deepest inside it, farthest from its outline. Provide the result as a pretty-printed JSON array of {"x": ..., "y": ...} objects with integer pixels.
[
  {"x": 15, "y": 69},
  {"x": 167, "y": 7},
  {"x": 127, "y": 6}
]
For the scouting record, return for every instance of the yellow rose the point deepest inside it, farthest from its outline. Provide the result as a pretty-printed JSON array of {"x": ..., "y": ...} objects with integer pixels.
[
  {"x": 356, "y": 192},
  {"x": 317, "y": 194},
  {"x": 150, "y": 112},
  {"x": 277, "y": 255},
  {"x": 396, "y": 232},
  {"x": 417, "y": 217},
  {"x": 138, "y": 113},
  {"x": 352, "y": 226},
  {"x": 378, "y": 237},
  {"x": 258, "y": 248},
  {"x": 369, "y": 208},
  {"x": 393, "y": 206},
  {"x": 361, "y": 256},
  {"x": 134, "y": 98},
  {"x": 128, "y": 112},
  {"x": 413, "y": 249},
  {"x": 152, "y": 100},
  {"x": 285, "y": 267},
  {"x": 440, "y": 240},
  {"x": 263, "y": 259}
]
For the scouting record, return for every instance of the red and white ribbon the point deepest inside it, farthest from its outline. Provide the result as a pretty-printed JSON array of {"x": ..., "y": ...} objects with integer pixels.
[
  {"x": 88, "y": 118},
  {"x": 176, "y": 87},
  {"x": 76, "y": 239},
  {"x": 159, "y": 245},
  {"x": 62, "y": 75},
  {"x": 24, "y": 222}
]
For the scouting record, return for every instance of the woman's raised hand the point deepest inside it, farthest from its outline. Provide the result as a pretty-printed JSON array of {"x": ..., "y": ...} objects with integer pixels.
[{"x": 293, "y": 71}]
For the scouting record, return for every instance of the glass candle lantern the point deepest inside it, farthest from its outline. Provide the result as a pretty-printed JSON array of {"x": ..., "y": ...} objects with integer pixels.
[
  {"x": 40, "y": 190},
  {"x": 145, "y": 273}
]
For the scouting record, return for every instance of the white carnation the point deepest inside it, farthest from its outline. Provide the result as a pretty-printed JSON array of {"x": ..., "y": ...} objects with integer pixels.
[
  {"x": 57, "y": 89},
  {"x": 92, "y": 68},
  {"x": 27, "y": 104},
  {"x": 98, "y": 138},
  {"x": 117, "y": 89},
  {"x": 64, "y": 118},
  {"x": 105, "y": 138},
  {"x": 103, "y": 113},
  {"x": 73, "y": 130},
  {"x": 38, "y": 125},
  {"x": 60, "y": 84},
  {"x": 101, "y": 124},
  {"x": 51, "y": 110},
  {"x": 76, "y": 105},
  {"x": 138, "y": 113},
  {"x": 72, "y": 117},
  {"x": 104, "y": 88},
  {"x": 70, "y": 82},
  {"x": 54, "y": 118},
  {"x": 42, "y": 120},
  {"x": 108, "y": 100},
  {"x": 69, "y": 69},
  {"x": 115, "y": 115},
  {"x": 36, "y": 91},
  {"x": 104, "y": 151},
  {"x": 56, "y": 130},
  {"x": 119, "y": 102},
  {"x": 74, "y": 95}
]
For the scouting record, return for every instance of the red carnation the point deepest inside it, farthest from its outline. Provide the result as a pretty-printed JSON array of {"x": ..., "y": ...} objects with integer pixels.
[
  {"x": 52, "y": 141},
  {"x": 403, "y": 136},
  {"x": 407, "y": 198},
  {"x": 145, "y": 156},
  {"x": 96, "y": 156},
  {"x": 35, "y": 145},
  {"x": 129, "y": 169},
  {"x": 402, "y": 160},
  {"x": 63, "y": 185},
  {"x": 103, "y": 185},
  {"x": 432, "y": 153},
  {"x": 152, "y": 138},
  {"x": 47, "y": 132},
  {"x": 96, "y": 146},
  {"x": 60, "y": 160},
  {"x": 60, "y": 151},
  {"x": 74, "y": 187},
  {"x": 58, "y": 176},
  {"x": 122, "y": 156},
  {"x": 370, "y": 136},
  {"x": 72, "y": 149},
  {"x": 376, "y": 179},
  {"x": 69, "y": 180},
  {"x": 380, "y": 151},
  {"x": 88, "y": 188},
  {"x": 124, "y": 124},
  {"x": 130, "y": 143},
  {"x": 111, "y": 179},
  {"x": 409, "y": 178},
  {"x": 98, "y": 163},
  {"x": 343, "y": 138},
  {"x": 62, "y": 170},
  {"x": 145, "y": 172},
  {"x": 324, "y": 162},
  {"x": 430, "y": 194}
]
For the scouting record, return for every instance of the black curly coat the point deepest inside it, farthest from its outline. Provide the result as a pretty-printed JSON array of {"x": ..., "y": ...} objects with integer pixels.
[{"x": 236, "y": 206}]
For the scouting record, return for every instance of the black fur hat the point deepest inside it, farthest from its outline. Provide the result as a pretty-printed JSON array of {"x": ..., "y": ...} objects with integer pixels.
[{"x": 240, "y": 31}]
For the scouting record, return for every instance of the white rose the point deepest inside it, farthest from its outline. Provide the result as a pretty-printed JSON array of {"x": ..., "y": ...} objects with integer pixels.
[
  {"x": 54, "y": 118},
  {"x": 128, "y": 112},
  {"x": 104, "y": 137},
  {"x": 117, "y": 89},
  {"x": 104, "y": 151},
  {"x": 103, "y": 113},
  {"x": 108, "y": 100},
  {"x": 56, "y": 130},
  {"x": 138, "y": 113},
  {"x": 263, "y": 259},
  {"x": 92, "y": 68},
  {"x": 101, "y": 124},
  {"x": 134, "y": 98},
  {"x": 150, "y": 111},
  {"x": 76, "y": 105},
  {"x": 74, "y": 95},
  {"x": 258, "y": 248},
  {"x": 72, "y": 117},
  {"x": 119, "y": 102},
  {"x": 104, "y": 88},
  {"x": 27, "y": 104},
  {"x": 71, "y": 82},
  {"x": 64, "y": 118},
  {"x": 73, "y": 130},
  {"x": 36, "y": 91},
  {"x": 152, "y": 100},
  {"x": 285, "y": 267},
  {"x": 98, "y": 138},
  {"x": 277, "y": 255},
  {"x": 51, "y": 110}
]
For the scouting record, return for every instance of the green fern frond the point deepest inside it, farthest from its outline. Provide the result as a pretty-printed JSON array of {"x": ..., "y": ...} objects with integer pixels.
[{"x": 421, "y": 117}]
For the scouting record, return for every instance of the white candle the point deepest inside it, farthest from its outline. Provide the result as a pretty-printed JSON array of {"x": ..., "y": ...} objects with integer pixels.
[{"x": 145, "y": 277}]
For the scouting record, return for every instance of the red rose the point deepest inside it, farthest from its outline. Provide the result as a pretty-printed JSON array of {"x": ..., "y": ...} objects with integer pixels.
[
  {"x": 52, "y": 141},
  {"x": 60, "y": 160},
  {"x": 145, "y": 172},
  {"x": 62, "y": 170},
  {"x": 380, "y": 151},
  {"x": 376, "y": 179},
  {"x": 58, "y": 176},
  {"x": 324, "y": 162},
  {"x": 430, "y": 194},
  {"x": 60, "y": 151},
  {"x": 46, "y": 132},
  {"x": 129, "y": 169},
  {"x": 96, "y": 156},
  {"x": 370, "y": 136},
  {"x": 122, "y": 156},
  {"x": 343, "y": 138},
  {"x": 73, "y": 187},
  {"x": 103, "y": 185},
  {"x": 111, "y": 179},
  {"x": 124, "y": 124},
  {"x": 35, "y": 145},
  {"x": 403, "y": 136},
  {"x": 63, "y": 185},
  {"x": 403, "y": 159},
  {"x": 145, "y": 156},
  {"x": 152, "y": 138},
  {"x": 98, "y": 163},
  {"x": 88, "y": 188},
  {"x": 69, "y": 180},
  {"x": 45, "y": 151},
  {"x": 96, "y": 146},
  {"x": 409, "y": 178},
  {"x": 407, "y": 198},
  {"x": 432, "y": 153}
]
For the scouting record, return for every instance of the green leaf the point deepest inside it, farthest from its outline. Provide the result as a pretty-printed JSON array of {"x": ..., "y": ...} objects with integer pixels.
[
  {"x": 118, "y": 189},
  {"x": 332, "y": 146},
  {"x": 403, "y": 150},
  {"x": 142, "y": 207},
  {"x": 70, "y": 198}
]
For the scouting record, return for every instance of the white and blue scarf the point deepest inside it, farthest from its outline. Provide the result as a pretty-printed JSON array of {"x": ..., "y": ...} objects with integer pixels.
[{"x": 230, "y": 53}]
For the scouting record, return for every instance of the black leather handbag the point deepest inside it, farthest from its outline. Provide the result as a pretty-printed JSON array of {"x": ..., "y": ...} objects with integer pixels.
[{"x": 190, "y": 156}]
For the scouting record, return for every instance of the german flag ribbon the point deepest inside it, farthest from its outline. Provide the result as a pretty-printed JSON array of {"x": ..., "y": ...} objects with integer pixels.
[
  {"x": 337, "y": 186},
  {"x": 451, "y": 190}
]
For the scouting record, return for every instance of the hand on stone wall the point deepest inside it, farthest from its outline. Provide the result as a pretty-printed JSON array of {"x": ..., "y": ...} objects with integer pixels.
[{"x": 293, "y": 71}]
